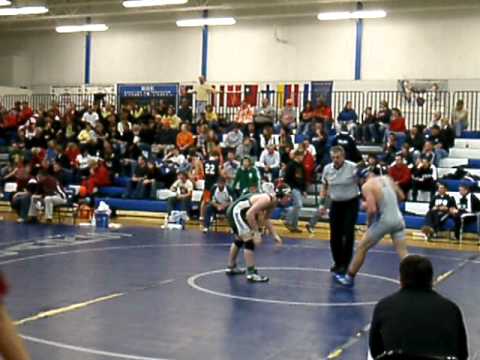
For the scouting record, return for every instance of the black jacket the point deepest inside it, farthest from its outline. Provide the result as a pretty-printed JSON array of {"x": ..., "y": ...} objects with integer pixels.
[
  {"x": 295, "y": 176},
  {"x": 419, "y": 322},
  {"x": 348, "y": 143}
]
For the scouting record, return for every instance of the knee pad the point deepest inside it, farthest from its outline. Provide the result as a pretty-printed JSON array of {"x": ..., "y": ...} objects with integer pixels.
[
  {"x": 238, "y": 243},
  {"x": 250, "y": 245}
]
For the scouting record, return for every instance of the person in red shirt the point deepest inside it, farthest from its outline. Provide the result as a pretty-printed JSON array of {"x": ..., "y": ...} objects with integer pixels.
[
  {"x": 323, "y": 113},
  {"x": 11, "y": 345},
  {"x": 99, "y": 177},
  {"x": 26, "y": 113},
  {"x": 401, "y": 174},
  {"x": 398, "y": 123}
]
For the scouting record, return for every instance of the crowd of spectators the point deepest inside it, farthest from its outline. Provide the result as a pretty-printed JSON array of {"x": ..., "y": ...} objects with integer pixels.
[{"x": 158, "y": 146}]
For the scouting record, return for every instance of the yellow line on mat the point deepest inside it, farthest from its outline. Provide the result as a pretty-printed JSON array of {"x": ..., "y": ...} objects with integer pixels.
[{"x": 65, "y": 309}]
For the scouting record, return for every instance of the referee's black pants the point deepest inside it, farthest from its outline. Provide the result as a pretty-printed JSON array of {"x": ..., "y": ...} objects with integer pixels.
[{"x": 343, "y": 217}]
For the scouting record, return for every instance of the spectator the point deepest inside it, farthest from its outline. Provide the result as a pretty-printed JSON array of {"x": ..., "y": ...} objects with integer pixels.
[
  {"x": 245, "y": 114},
  {"x": 185, "y": 139},
  {"x": 246, "y": 149},
  {"x": 52, "y": 194},
  {"x": 221, "y": 199},
  {"x": 467, "y": 206},
  {"x": 424, "y": 178},
  {"x": 447, "y": 134},
  {"x": 415, "y": 139},
  {"x": 369, "y": 129},
  {"x": 99, "y": 177},
  {"x": 135, "y": 186},
  {"x": 295, "y": 178},
  {"x": 246, "y": 178},
  {"x": 307, "y": 117},
  {"x": 460, "y": 118},
  {"x": 348, "y": 117},
  {"x": 323, "y": 113},
  {"x": 185, "y": 111},
  {"x": 234, "y": 138},
  {"x": 383, "y": 115},
  {"x": 417, "y": 321},
  {"x": 401, "y": 174},
  {"x": 288, "y": 117},
  {"x": 264, "y": 116},
  {"x": 390, "y": 149},
  {"x": 203, "y": 92},
  {"x": 211, "y": 116},
  {"x": 269, "y": 164},
  {"x": 319, "y": 141},
  {"x": 183, "y": 189},
  {"x": 171, "y": 120},
  {"x": 90, "y": 117},
  {"x": 436, "y": 120},
  {"x": 345, "y": 140},
  {"x": 21, "y": 200},
  {"x": 397, "y": 123},
  {"x": 230, "y": 168},
  {"x": 441, "y": 207}
]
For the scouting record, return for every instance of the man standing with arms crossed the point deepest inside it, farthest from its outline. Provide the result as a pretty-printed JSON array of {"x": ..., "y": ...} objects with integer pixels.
[{"x": 340, "y": 183}]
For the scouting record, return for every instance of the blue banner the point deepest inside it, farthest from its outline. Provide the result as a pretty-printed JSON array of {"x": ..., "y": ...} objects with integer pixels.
[
  {"x": 144, "y": 93},
  {"x": 322, "y": 90}
]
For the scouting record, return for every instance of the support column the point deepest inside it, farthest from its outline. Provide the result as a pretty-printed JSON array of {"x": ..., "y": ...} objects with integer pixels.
[
  {"x": 358, "y": 45},
  {"x": 205, "y": 47},
  {"x": 88, "y": 54}
]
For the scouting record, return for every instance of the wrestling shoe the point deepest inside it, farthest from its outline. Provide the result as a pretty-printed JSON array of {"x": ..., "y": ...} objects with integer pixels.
[
  {"x": 232, "y": 271},
  {"x": 255, "y": 277},
  {"x": 310, "y": 229},
  {"x": 344, "y": 280}
]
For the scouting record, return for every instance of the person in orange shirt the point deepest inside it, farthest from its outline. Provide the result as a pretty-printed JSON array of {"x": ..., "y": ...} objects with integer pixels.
[
  {"x": 185, "y": 139},
  {"x": 245, "y": 114}
]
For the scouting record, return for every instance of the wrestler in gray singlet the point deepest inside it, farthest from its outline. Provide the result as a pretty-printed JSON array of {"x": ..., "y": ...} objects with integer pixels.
[{"x": 389, "y": 219}]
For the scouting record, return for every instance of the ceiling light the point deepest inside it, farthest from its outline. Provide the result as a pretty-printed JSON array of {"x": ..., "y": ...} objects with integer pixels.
[
  {"x": 144, "y": 3},
  {"x": 25, "y": 10},
  {"x": 206, "y": 22},
  {"x": 369, "y": 14},
  {"x": 345, "y": 15},
  {"x": 81, "y": 28},
  {"x": 5, "y": 2}
]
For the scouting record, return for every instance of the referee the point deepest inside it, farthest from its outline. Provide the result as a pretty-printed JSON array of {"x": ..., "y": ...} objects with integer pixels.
[{"x": 340, "y": 184}]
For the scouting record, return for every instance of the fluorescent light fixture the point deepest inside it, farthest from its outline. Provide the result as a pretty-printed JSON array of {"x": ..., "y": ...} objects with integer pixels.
[
  {"x": 206, "y": 22},
  {"x": 369, "y": 14},
  {"x": 81, "y": 28},
  {"x": 340, "y": 15},
  {"x": 5, "y": 2},
  {"x": 345, "y": 15},
  {"x": 25, "y": 10},
  {"x": 145, "y": 3}
]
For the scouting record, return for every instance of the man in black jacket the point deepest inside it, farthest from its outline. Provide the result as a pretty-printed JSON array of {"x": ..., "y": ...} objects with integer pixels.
[
  {"x": 295, "y": 178},
  {"x": 345, "y": 140},
  {"x": 417, "y": 321},
  {"x": 441, "y": 207},
  {"x": 468, "y": 204}
]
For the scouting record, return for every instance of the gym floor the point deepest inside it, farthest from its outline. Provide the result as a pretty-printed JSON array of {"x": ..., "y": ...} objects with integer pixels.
[{"x": 80, "y": 293}]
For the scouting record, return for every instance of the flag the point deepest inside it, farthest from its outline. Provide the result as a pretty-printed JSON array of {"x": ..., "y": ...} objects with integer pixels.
[
  {"x": 234, "y": 95},
  {"x": 250, "y": 94},
  {"x": 221, "y": 96},
  {"x": 306, "y": 92},
  {"x": 281, "y": 95}
]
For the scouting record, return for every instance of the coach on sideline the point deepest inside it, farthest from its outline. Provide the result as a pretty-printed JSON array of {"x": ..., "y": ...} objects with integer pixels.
[
  {"x": 340, "y": 184},
  {"x": 416, "y": 322}
]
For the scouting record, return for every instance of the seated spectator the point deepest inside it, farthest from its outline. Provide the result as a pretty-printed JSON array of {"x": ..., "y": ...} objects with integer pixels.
[
  {"x": 345, "y": 140},
  {"x": 415, "y": 139},
  {"x": 230, "y": 168},
  {"x": 251, "y": 133},
  {"x": 175, "y": 157},
  {"x": 90, "y": 117},
  {"x": 264, "y": 115},
  {"x": 348, "y": 117},
  {"x": 319, "y": 141},
  {"x": 183, "y": 189},
  {"x": 468, "y": 204},
  {"x": 185, "y": 111},
  {"x": 441, "y": 207},
  {"x": 269, "y": 163},
  {"x": 368, "y": 130},
  {"x": 234, "y": 138},
  {"x": 397, "y": 122},
  {"x": 185, "y": 139},
  {"x": 163, "y": 138},
  {"x": 87, "y": 135},
  {"x": 245, "y": 114},
  {"x": 99, "y": 177},
  {"x": 82, "y": 163},
  {"x": 374, "y": 165},
  {"x": 221, "y": 199},
  {"x": 424, "y": 178},
  {"x": 323, "y": 113},
  {"x": 246, "y": 149},
  {"x": 246, "y": 179},
  {"x": 51, "y": 193},
  {"x": 21, "y": 201},
  {"x": 390, "y": 149},
  {"x": 171, "y": 120},
  {"x": 288, "y": 117},
  {"x": 436, "y": 120},
  {"x": 460, "y": 118},
  {"x": 135, "y": 184},
  {"x": 211, "y": 116},
  {"x": 447, "y": 134},
  {"x": 307, "y": 117},
  {"x": 401, "y": 174},
  {"x": 414, "y": 320}
]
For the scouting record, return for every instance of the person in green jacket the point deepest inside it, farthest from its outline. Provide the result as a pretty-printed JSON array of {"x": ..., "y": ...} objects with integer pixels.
[{"x": 246, "y": 179}]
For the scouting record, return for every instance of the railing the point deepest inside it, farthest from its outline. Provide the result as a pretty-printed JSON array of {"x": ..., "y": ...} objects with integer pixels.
[{"x": 418, "y": 108}]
